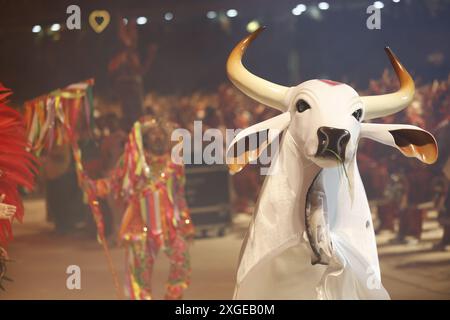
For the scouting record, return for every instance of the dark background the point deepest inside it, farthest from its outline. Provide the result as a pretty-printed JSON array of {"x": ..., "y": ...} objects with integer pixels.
[{"x": 193, "y": 49}]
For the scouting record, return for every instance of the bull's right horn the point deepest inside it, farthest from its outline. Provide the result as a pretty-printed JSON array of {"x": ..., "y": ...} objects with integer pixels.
[{"x": 261, "y": 90}]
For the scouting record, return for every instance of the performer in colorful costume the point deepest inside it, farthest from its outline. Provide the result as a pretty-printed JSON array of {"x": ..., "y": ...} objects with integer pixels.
[
  {"x": 17, "y": 168},
  {"x": 157, "y": 216}
]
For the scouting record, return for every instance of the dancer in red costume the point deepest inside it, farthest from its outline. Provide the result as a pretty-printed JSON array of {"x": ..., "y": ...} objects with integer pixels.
[{"x": 17, "y": 168}]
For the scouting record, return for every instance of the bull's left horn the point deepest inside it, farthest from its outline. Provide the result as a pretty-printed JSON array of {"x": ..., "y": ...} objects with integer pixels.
[
  {"x": 387, "y": 104},
  {"x": 261, "y": 90}
]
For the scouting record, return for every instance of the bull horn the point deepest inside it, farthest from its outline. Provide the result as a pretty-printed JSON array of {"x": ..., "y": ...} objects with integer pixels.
[
  {"x": 387, "y": 104},
  {"x": 261, "y": 90}
]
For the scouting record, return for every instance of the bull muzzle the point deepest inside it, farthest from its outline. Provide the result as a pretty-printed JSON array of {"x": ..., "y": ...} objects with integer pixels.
[{"x": 332, "y": 143}]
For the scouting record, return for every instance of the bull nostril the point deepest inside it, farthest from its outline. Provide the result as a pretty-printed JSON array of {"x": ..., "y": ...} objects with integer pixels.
[{"x": 344, "y": 138}]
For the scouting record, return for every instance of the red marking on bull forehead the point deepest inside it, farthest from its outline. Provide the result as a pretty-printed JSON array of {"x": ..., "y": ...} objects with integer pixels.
[{"x": 330, "y": 82}]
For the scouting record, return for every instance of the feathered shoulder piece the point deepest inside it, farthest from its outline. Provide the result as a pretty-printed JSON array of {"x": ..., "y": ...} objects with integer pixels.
[{"x": 17, "y": 164}]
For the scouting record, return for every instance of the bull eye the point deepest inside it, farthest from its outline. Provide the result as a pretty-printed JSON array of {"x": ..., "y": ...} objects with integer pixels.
[
  {"x": 357, "y": 114},
  {"x": 302, "y": 105}
]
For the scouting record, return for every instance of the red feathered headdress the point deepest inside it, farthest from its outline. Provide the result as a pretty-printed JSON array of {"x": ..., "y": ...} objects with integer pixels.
[{"x": 17, "y": 165}]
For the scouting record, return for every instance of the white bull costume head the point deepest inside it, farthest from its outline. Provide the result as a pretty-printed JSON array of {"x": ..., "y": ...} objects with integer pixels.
[{"x": 312, "y": 236}]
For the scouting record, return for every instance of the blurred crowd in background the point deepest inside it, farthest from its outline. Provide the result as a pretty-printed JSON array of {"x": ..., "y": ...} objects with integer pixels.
[
  {"x": 403, "y": 190},
  {"x": 176, "y": 79}
]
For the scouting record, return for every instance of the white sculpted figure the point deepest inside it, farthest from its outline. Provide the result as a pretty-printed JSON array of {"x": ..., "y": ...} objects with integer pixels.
[{"x": 312, "y": 236}]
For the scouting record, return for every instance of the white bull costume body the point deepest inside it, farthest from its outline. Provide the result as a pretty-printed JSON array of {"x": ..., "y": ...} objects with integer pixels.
[{"x": 311, "y": 236}]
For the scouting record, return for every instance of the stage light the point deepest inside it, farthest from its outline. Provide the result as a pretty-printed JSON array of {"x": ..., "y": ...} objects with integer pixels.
[
  {"x": 55, "y": 27},
  {"x": 323, "y": 5},
  {"x": 211, "y": 14},
  {"x": 141, "y": 21},
  {"x": 296, "y": 11},
  {"x": 299, "y": 9},
  {"x": 252, "y": 26},
  {"x": 378, "y": 5},
  {"x": 396, "y": 1},
  {"x": 36, "y": 29},
  {"x": 125, "y": 21},
  {"x": 232, "y": 13},
  {"x": 168, "y": 16}
]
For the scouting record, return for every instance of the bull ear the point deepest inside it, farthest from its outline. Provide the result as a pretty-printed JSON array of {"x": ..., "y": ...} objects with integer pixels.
[
  {"x": 249, "y": 144},
  {"x": 410, "y": 140}
]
